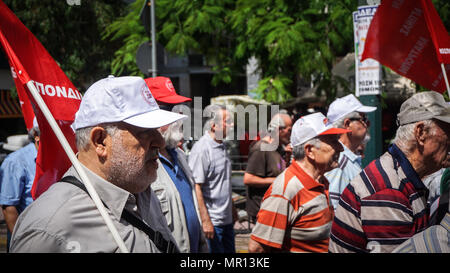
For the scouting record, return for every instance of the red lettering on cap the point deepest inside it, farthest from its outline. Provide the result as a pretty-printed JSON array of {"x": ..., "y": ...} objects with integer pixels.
[
  {"x": 147, "y": 95},
  {"x": 169, "y": 86}
]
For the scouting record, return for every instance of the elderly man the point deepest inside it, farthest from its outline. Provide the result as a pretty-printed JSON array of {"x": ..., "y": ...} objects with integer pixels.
[
  {"x": 296, "y": 213},
  {"x": 387, "y": 202},
  {"x": 118, "y": 143},
  {"x": 174, "y": 186},
  {"x": 16, "y": 179},
  {"x": 264, "y": 165},
  {"x": 211, "y": 167},
  {"x": 348, "y": 113}
]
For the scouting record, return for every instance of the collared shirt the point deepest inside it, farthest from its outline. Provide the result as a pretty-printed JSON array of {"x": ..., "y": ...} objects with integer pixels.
[
  {"x": 349, "y": 167},
  {"x": 185, "y": 190},
  {"x": 65, "y": 219},
  {"x": 434, "y": 239},
  {"x": 381, "y": 208},
  {"x": 16, "y": 177},
  {"x": 211, "y": 167},
  {"x": 295, "y": 213}
]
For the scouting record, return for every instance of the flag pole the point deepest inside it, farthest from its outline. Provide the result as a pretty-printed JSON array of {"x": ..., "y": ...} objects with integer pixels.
[
  {"x": 77, "y": 165},
  {"x": 444, "y": 72}
]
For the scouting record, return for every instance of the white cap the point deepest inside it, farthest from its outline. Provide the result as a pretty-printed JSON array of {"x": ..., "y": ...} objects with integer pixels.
[
  {"x": 344, "y": 106},
  {"x": 14, "y": 143},
  {"x": 310, "y": 126},
  {"x": 126, "y": 99}
]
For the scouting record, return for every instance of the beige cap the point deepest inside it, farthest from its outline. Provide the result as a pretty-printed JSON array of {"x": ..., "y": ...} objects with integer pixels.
[{"x": 424, "y": 106}]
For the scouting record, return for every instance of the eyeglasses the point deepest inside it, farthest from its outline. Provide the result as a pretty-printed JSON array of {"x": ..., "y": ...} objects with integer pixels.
[{"x": 362, "y": 118}]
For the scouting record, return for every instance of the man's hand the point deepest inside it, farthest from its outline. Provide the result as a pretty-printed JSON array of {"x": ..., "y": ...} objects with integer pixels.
[{"x": 208, "y": 229}]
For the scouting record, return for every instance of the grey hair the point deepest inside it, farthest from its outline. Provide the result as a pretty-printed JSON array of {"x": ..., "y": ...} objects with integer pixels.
[
  {"x": 340, "y": 122},
  {"x": 405, "y": 139},
  {"x": 277, "y": 121},
  {"x": 299, "y": 151},
  {"x": 82, "y": 135},
  {"x": 32, "y": 133},
  {"x": 216, "y": 112}
]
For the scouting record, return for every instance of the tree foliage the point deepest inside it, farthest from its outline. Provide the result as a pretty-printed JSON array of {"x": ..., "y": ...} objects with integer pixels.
[
  {"x": 71, "y": 34},
  {"x": 292, "y": 40}
]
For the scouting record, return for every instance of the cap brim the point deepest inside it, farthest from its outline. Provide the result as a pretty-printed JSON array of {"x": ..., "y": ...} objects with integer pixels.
[
  {"x": 154, "y": 119},
  {"x": 366, "y": 109},
  {"x": 335, "y": 131},
  {"x": 10, "y": 147},
  {"x": 445, "y": 119},
  {"x": 173, "y": 99}
]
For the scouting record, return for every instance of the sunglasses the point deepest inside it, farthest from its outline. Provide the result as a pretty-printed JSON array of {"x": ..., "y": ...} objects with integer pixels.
[{"x": 364, "y": 119}]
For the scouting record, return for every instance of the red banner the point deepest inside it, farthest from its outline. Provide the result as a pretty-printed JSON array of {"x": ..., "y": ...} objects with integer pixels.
[
  {"x": 29, "y": 60},
  {"x": 439, "y": 34},
  {"x": 399, "y": 38}
]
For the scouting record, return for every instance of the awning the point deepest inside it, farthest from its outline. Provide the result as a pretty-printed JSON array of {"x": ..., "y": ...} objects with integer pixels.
[{"x": 9, "y": 106}]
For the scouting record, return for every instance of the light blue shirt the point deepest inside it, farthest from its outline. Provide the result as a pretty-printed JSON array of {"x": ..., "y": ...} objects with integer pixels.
[
  {"x": 349, "y": 167},
  {"x": 16, "y": 177}
]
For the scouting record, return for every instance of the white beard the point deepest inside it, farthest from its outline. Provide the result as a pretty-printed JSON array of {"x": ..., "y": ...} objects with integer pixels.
[{"x": 173, "y": 135}]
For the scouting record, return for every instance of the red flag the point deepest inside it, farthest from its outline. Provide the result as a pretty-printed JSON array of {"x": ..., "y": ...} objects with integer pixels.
[
  {"x": 29, "y": 60},
  {"x": 439, "y": 34},
  {"x": 399, "y": 38}
]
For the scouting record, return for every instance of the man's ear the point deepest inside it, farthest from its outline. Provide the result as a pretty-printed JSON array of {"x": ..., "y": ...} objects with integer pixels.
[
  {"x": 308, "y": 151},
  {"x": 347, "y": 122},
  {"x": 98, "y": 140},
  {"x": 420, "y": 133}
]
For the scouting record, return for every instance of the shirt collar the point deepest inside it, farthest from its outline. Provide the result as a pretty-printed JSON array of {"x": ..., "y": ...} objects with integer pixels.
[
  {"x": 114, "y": 197},
  {"x": 307, "y": 181},
  {"x": 213, "y": 142},
  {"x": 349, "y": 154},
  {"x": 404, "y": 163}
]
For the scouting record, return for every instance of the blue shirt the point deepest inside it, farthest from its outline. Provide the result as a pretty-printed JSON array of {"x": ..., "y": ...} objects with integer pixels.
[
  {"x": 349, "y": 167},
  {"x": 16, "y": 177},
  {"x": 185, "y": 190}
]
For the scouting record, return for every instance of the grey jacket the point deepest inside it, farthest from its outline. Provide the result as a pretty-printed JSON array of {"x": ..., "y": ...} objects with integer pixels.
[{"x": 172, "y": 206}]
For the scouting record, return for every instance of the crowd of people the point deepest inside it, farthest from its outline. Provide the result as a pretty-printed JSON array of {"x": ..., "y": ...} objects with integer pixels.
[{"x": 307, "y": 190}]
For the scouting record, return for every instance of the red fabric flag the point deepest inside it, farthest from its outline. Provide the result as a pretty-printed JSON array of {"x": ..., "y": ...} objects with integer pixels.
[
  {"x": 29, "y": 60},
  {"x": 439, "y": 34},
  {"x": 399, "y": 38}
]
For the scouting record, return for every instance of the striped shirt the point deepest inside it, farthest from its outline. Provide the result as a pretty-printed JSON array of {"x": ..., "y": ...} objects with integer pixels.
[
  {"x": 381, "y": 208},
  {"x": 434, "y": 239},
  {"x": 295, "y": 213},
  {"x": 349, "y": 167}
]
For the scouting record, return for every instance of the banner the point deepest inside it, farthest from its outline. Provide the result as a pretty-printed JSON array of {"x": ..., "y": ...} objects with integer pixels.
[
  {"x": 30, "y": 61},
  {"x": 399, "y": 38},
  {"x": 367, "y": 72},
  {"x": 438, "y": 33}
]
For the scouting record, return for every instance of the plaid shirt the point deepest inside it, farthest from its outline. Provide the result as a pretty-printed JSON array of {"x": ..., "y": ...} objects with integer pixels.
[{"x": 381, "y": 208}]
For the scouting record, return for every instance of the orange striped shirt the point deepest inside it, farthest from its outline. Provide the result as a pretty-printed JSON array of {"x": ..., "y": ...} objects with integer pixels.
[{"x": 295, "y": 214}]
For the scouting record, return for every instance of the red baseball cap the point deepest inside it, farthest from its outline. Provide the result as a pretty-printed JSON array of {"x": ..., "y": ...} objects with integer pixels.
[{"x": 163, "y": 91}]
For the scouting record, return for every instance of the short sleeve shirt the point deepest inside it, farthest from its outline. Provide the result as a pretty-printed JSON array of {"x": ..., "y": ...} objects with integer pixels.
[
  {"x": 295, "y": 214},
  {"x": 16, "y": 177},
  {"x": 263, "y": 164},
  {"x": 211, "y": 167}
]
